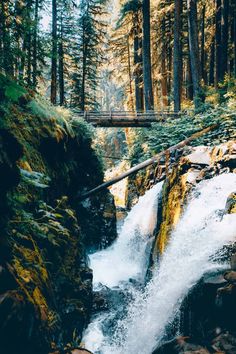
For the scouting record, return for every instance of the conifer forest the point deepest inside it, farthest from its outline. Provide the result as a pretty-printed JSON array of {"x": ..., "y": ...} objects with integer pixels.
[
  {"x": 117, "y": 176},
  {"x": 108, "y": 54}
]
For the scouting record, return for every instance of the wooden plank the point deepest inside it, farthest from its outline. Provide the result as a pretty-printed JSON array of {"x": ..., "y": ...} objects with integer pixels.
[
  {"x": 128, "y": 121},
  {"x": 130, "y": 125},
  {"x": 125, "y": 118}
]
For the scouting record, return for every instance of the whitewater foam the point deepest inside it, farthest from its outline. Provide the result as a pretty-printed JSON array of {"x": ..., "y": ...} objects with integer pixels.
[
  {"x": 201, "y": 232},
  {"x": 125, "y": 259}
]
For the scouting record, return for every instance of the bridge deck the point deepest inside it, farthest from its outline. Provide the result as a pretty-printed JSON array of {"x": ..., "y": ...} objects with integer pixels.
[{"x": 125, "y": 118}]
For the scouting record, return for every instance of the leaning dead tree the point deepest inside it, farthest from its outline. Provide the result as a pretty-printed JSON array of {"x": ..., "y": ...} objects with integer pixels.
[{"x": 148, "y": 162}]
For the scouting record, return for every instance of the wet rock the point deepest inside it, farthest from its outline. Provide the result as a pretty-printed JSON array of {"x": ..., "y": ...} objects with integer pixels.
[
  {"x": 229, "y": 161},
  {"x": 98, "y": 220},
  {"x": 181, "y": 345},
  {"x": 193, "y": 176},
  {"x": 230, "y": 207},
  {"x": 72, "y": 351},
  {"x": 226, "y": 303},
  {"x": 45, "y": 282},
  {"x": 199, "y": 351},
  {"x": 225, "y": 155},
  {"x": 99, "y": 302},
  {"x": 80, "y": 351},
  {"x": 215, "y": 279},
  {"x": 233, "y": 262},
  {"x": 107, "y": 298},
  {"x": 225, "y": 342},
  {"x": 17, "y": 326},
  {"x": 200, "y": 156},
  {"x": 230, "y": 276}
]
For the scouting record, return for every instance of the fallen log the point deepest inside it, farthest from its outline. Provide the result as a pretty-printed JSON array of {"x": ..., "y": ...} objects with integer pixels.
[{"x": 148, "y": 162}]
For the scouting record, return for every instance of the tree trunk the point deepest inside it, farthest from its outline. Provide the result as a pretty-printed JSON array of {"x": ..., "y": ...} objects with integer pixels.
[
  {"x": 212, "y": 62},
  {"x": 7, "y": 60},
  {"x": 2, "y": 29},
  {"x": 189, "y": 81},
  {"x": 54, "y": 53},
  {"x": 203, "y": 54},
  {"x": 194, "y": 51},
  {"x": 138, "y": 65},
  {"x": 169, "y": 72},
  {"x": 218, "y": 42},
  {"x": 177, "y": 80},
  {"x": 147, "y": 67},
  {"x": 169, "y": 55},
  {"x": 232, "y": 54},
  {"x": 84, "y": 69},
  {"x": 35, "y": 44},
  {"x": 224, "y": 38},
  {"x": 29, "y": 45},
  {"x": 234, "y": 42},
  {"x": 61, "y": 74},
  {"x": 61, "y": 65},
  {"x": 130, "y": 75},
  {"x": 164, "y": 92}
]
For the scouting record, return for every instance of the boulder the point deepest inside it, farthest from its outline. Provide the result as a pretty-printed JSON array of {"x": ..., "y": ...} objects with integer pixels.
[
  {"x": 193, "y": 175},
  {"x": 230, "y": 276},
  {"x": 72, "y": 351},
  {"x": 229, "y": 161},
  {"x": 200, "y": 156},
  {"x": 230, "y": 207},
  {"x": 199, "y": 351},
  {"x": 233, "y": 261},
  {"x": 183, "y": 345},
  {"x": 225, "y": 342}
]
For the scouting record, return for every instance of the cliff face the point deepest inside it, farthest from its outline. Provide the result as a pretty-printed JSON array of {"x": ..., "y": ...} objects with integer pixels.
[
  {"x": 46, "y": 162},
  {"x": 208, "y": 313},
  {"x": 181, "y": 172},
  {"x": 207, "y": 321},
  {"x": 197, "y": 164}
]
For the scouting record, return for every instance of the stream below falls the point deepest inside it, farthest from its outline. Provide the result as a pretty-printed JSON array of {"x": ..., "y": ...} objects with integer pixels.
[{"x": 139, "y": 321}]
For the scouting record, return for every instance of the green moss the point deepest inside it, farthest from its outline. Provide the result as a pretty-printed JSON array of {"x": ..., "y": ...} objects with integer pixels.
[
  {"x": 174, "y": 193},
  {"x": 45, "y": 229}
]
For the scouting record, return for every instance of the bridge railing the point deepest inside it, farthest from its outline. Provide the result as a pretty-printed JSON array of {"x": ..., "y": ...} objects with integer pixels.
[{"x": 151, "y": 116}]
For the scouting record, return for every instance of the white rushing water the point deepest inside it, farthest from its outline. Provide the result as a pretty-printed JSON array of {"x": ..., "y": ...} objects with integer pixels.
[
  {"x": 199, "y": 235},
  {"x": 125, "y": 259}
]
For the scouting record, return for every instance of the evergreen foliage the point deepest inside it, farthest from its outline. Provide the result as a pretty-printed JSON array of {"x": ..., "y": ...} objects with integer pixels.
[
  {"x": 87, "y": 55},
  {"x": 147, "y": 142},
  {"x": 163, "y": 55}
]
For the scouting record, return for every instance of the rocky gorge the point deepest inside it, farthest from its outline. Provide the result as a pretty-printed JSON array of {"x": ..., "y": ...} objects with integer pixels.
[
  {"x": 206, "y": 312},
  {"x": 165, "y": 285}
]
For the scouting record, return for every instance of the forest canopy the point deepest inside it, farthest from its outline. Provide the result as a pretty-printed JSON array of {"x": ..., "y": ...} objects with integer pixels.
[{"x": 120, "y": 54}]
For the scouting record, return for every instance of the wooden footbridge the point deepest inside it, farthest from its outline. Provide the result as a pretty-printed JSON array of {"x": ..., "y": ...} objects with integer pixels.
[{"x": 125, "y": 119}]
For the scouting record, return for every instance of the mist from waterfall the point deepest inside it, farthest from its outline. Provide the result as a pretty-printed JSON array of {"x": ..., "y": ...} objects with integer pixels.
[{"x": 200, "y": 234}]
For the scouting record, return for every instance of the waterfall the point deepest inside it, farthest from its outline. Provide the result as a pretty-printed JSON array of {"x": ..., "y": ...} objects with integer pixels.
[
  {"x": 200, "y": 234},
  {"x": 125, "y": 259}
]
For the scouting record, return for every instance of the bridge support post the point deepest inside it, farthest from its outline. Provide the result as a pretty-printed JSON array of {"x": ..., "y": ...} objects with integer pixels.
[
  {"x": 110, "y": 115},
  {"x": 86, "y": 116}
]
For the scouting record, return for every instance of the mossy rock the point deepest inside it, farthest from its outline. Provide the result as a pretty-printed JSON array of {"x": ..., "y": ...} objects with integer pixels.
[
  {"x": 230, "y": 207},
  {"x": 47, "y": 161}
]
